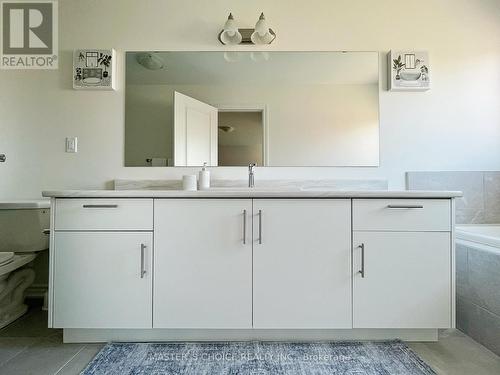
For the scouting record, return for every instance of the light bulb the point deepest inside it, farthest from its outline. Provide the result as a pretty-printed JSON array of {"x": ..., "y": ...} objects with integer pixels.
[
  {"x": 230, "y": 25},
  {"x": 262, "y": 34},
  {"x": 230, "y": 33},
  {"x": 261, "y": 26}
]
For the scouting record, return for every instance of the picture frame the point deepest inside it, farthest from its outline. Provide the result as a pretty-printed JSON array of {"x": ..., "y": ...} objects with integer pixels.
[
  {"x": 94, "y": 69},
  {"x": 408, "y": 70}
]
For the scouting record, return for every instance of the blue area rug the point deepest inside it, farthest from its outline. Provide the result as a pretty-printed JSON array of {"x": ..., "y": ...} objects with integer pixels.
[{"x": 258, "y": 358}]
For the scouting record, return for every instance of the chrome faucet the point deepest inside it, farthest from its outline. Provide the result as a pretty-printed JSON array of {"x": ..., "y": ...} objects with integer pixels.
[{"x": 251, "y": 179}]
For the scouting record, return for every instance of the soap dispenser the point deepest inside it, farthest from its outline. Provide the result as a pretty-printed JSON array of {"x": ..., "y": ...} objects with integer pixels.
[{"x": 204, "y": 178}]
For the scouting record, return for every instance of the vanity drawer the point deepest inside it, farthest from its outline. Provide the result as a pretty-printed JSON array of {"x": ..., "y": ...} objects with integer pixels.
[
  {"x": 104, "y": 214},
  {"x": 401, "y": 214}
]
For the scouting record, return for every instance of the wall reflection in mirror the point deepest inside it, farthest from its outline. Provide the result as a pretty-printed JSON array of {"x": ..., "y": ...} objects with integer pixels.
[{"x": 267, "y": 108}]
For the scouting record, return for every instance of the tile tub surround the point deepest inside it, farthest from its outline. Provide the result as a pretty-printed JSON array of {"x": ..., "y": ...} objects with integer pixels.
[
  {"x": 478, "y": 293},
  {"x": 272, "y": 184},
  {"x": 480, "y": 203}
]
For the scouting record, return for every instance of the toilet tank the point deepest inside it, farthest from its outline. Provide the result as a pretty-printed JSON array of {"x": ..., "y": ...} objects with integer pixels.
[{"x": 22, "y": 224}]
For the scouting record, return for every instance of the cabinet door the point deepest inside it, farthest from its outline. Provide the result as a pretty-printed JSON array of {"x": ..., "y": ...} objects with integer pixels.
[
  {"x": 302, "y": 263},
  {"x": 407, "y": 280},
  {"x": 203, "y": 263},
  {"x": 98, "y": 281}
]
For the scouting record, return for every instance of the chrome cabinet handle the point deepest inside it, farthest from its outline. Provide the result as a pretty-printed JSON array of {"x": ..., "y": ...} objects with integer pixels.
[
  {"x": 100, "y": 206},
  {"x": 143, "y": 251},
  {"x": 405, "y": 206},
  {"x": 244, "y": 227},
  {"x": 260, "y": 227},
  {"x": 362, "y": 270}
]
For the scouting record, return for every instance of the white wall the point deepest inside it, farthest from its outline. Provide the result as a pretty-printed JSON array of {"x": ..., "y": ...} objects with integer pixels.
[{"x": 455, "y": 126}]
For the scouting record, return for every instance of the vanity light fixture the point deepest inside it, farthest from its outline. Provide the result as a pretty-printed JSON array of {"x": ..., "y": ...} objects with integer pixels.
[{"x": 261, "y": 34}]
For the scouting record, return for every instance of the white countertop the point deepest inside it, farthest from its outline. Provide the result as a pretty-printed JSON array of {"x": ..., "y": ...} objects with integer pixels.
[
  {"x": 250, "y": 193},
  {"x": 24, "y": 204}
]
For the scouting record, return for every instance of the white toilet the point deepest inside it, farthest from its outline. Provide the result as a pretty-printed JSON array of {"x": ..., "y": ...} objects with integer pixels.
[{"x": 22, "y": 224}]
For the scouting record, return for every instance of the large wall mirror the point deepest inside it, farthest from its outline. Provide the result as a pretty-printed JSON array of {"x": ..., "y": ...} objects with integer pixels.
[{"x": 267, "y": 108}]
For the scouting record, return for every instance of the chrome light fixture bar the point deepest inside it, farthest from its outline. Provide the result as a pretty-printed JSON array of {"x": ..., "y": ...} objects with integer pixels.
[{"x": 261, "y": 34}]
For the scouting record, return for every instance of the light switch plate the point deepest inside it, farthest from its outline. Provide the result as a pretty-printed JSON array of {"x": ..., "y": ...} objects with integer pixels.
[{"x": 72, "y": 144}]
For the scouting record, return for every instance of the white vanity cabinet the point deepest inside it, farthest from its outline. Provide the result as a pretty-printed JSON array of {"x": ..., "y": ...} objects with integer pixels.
[
  {"x": 103, "y": 280},
  {"x": 402, "y": 263},
  {"x": 302, "y": 263},
  {"x": 214, "y": 265},
  {"x": 101, "y": 263},
  {"x": 203, "y": 263},
  {"x": 299, "y": 275}
]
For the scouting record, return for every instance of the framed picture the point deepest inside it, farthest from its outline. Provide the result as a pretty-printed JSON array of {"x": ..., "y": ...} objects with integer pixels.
[
  {"x": 94, "y": 69},
  {"x": 408, "y": 71}
]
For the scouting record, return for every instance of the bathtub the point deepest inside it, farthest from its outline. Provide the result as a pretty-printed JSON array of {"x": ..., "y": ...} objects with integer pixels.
[
  {"x": 485, "y": 234},
  {"x": 478, "y": 283}
]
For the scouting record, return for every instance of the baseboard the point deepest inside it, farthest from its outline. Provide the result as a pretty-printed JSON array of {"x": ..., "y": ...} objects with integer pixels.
[{"x": 142, "y": 335}]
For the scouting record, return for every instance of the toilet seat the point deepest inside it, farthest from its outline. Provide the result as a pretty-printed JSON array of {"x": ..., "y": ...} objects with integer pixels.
[{"x": 6, "y": 257}]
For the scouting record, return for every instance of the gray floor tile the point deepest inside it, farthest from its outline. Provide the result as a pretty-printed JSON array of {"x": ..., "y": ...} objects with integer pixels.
[
  {"x": 45, "y": 357},
  {"x": 33, "y": 324},
  {"x": 457, "y": 354},
  {"x": 12, "y": 346},
  {"x": 81, "y": 360},
  {"x": 454, "y": 354}
]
